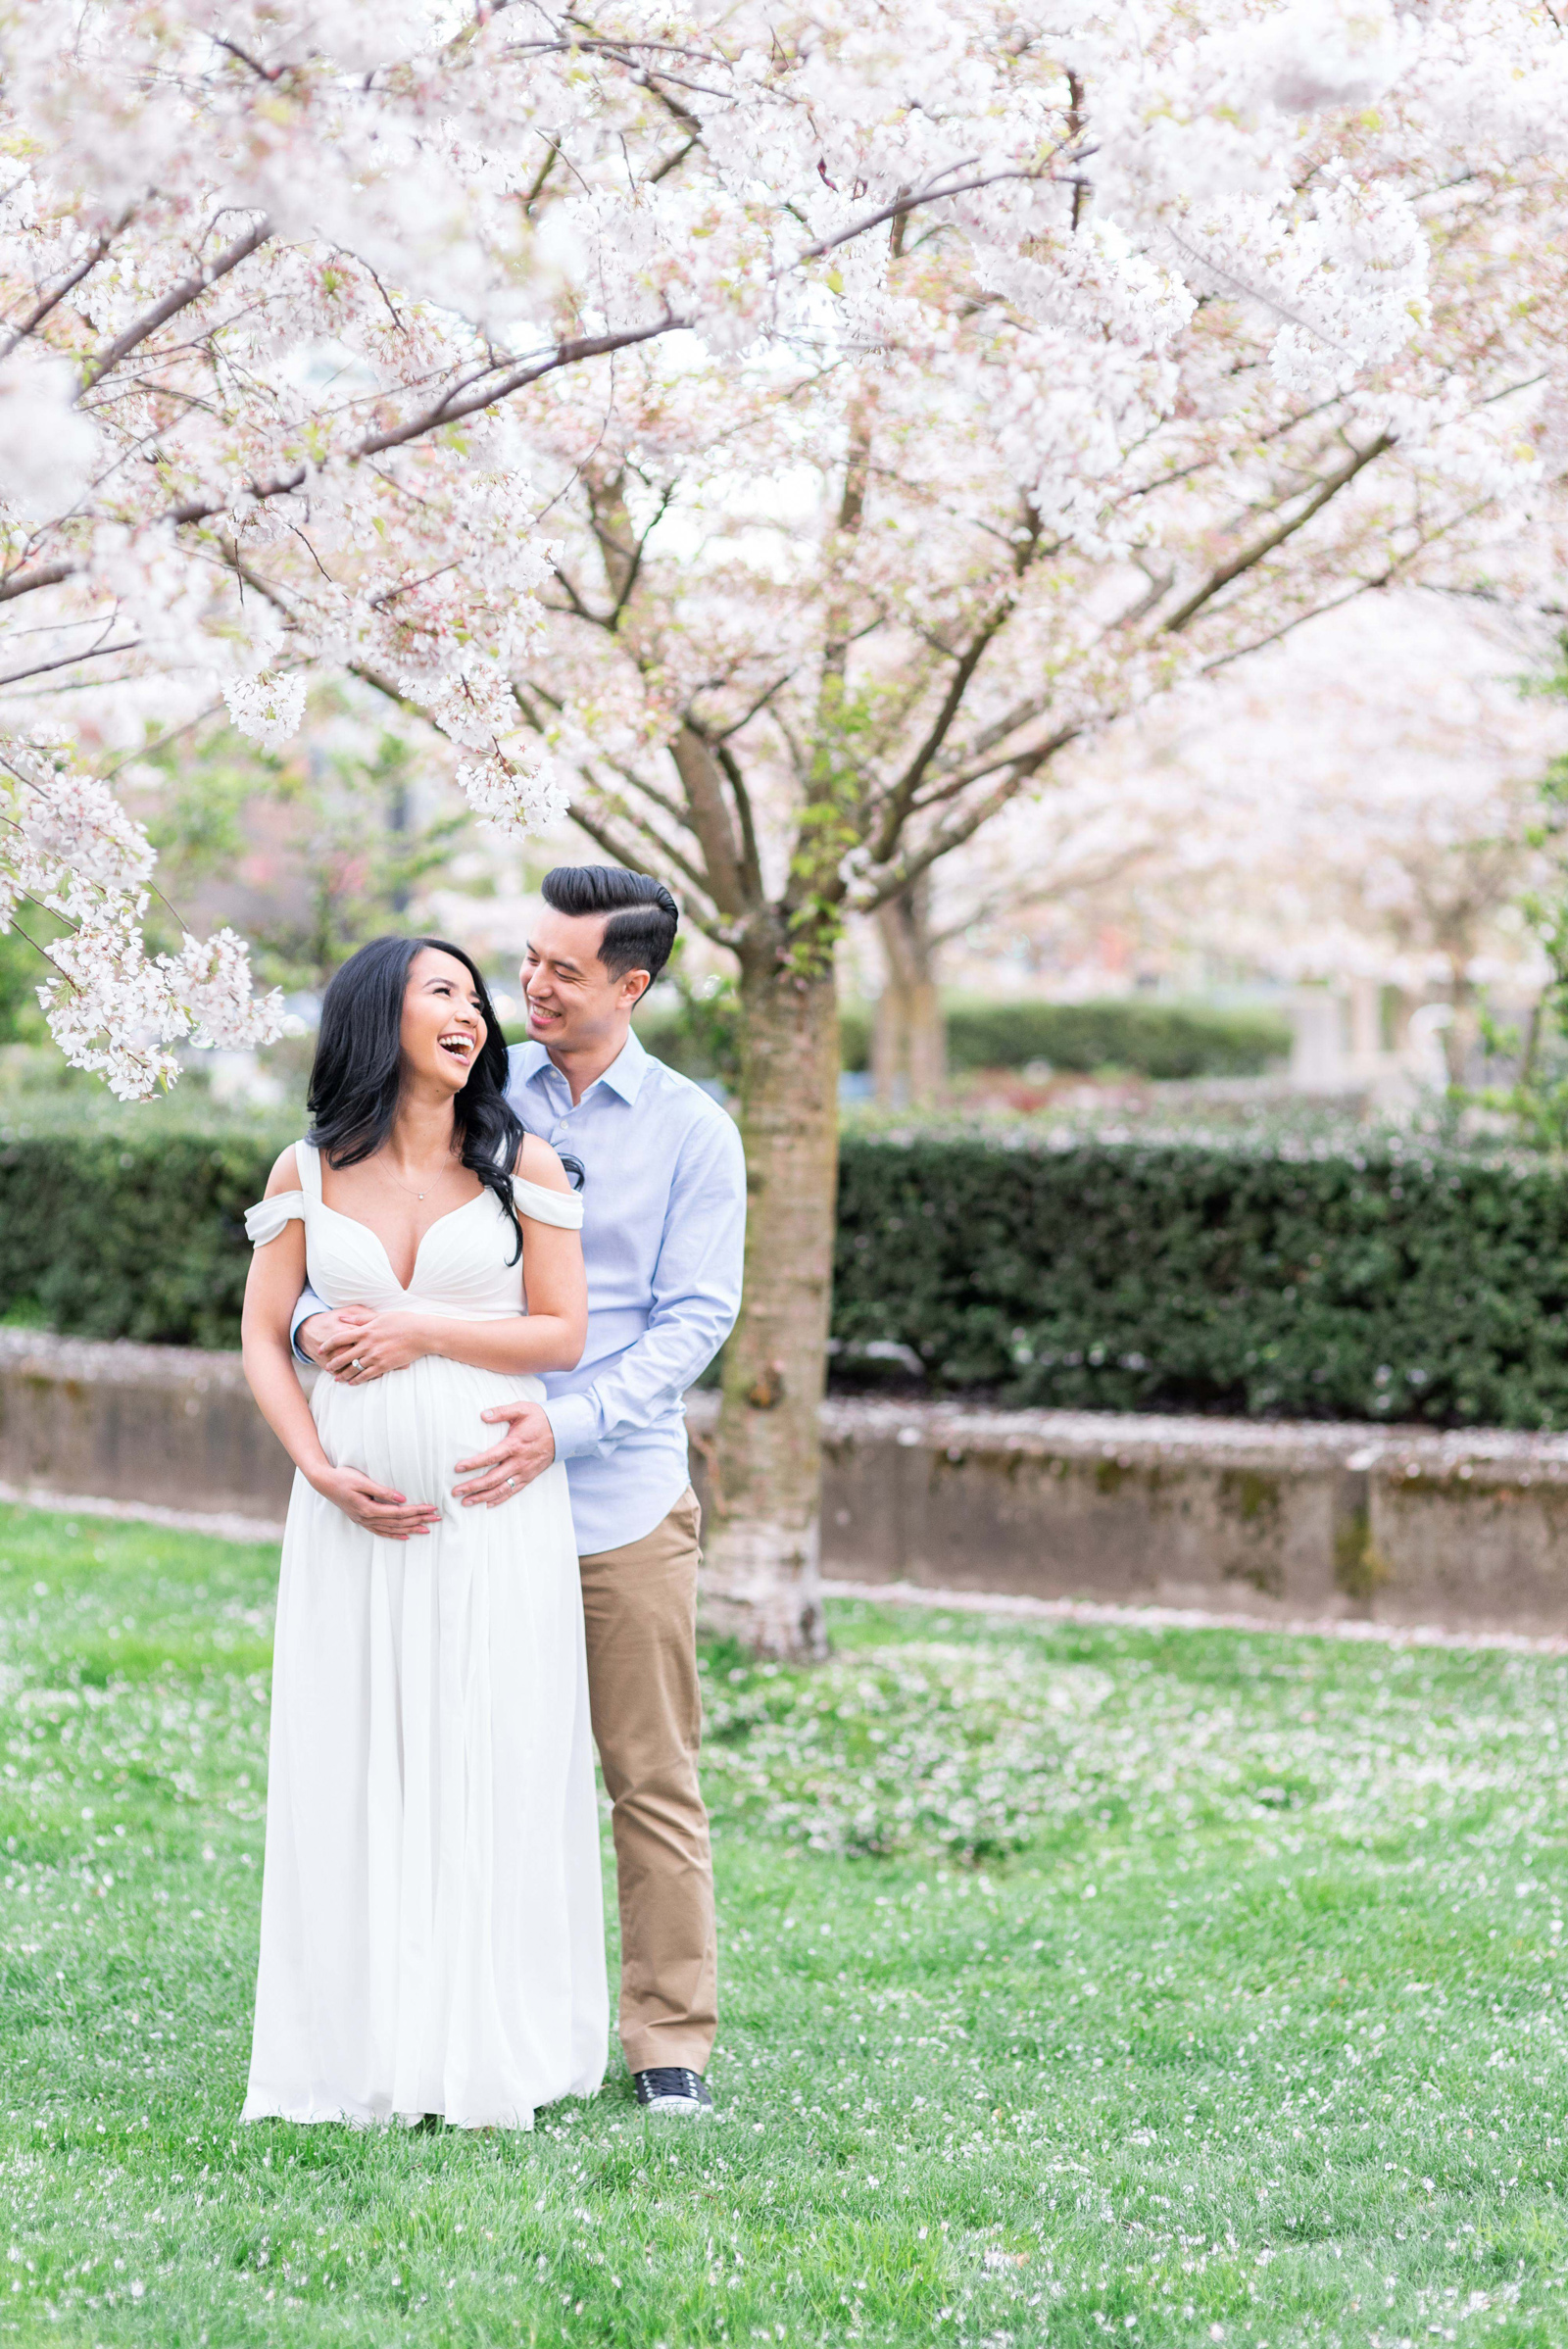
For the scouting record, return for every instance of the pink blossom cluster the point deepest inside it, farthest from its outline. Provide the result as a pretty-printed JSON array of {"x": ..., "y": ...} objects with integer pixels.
[{"x": 72, "y": 851}]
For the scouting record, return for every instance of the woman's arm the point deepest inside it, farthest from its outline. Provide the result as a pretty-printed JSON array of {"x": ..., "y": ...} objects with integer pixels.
[
  {"x": 276, "y": 1277},
  {"x": 549, "y": 1335},
  {"x": 552, "y": 1333}
]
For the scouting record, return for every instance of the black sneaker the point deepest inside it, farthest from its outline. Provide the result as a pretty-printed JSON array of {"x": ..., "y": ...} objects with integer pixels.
[{"x": 672, "y": 2089}]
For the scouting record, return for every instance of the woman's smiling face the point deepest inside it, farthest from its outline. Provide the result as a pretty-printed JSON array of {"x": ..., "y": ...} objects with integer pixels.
[{"x": 443, "y": 1027}]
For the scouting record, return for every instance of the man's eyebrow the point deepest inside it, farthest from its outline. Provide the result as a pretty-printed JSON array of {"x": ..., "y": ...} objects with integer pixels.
[{"x": 561, "y": 961}]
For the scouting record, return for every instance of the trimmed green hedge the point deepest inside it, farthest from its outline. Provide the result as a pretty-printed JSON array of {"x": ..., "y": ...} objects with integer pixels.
[
  {"x": 1142, "y": 1277},
  {"x": 1156, "y": 1040},
  {"x": 1151, "y": 1039},
  {"x": 136, "y": 1233},
  {"x": 1115, "y": 1276}
]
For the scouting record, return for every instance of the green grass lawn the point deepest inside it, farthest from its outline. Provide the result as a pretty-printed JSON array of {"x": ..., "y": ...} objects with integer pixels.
[{"x": 1175, "y": 1986}]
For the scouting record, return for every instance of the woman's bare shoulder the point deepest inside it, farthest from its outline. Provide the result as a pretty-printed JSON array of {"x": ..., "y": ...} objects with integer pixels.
[
  {"x": 537, "y": 1163},
  {"x": 285, "y": 1174}
]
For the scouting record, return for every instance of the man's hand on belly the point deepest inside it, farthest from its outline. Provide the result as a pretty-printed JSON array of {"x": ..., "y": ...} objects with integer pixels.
[{"x": 527, "y": 1450}]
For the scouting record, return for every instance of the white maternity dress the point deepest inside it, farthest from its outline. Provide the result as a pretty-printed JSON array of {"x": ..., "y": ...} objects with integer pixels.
[{"x": 432, "y": 1921}]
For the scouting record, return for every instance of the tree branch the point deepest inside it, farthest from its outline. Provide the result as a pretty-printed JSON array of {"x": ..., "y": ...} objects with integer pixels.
[
  {"x": 19, "y": 932},
  {"x": 1009, "y": 901},
  {"x": 931, "y": 193},
  {"x": 1356, "y": 463},
  {"x": 750, "y": 856},
  {"x": 51, "y": 301},
  {"x": 623, "y": 593},
  {"x": 43, "y": 574},
  {"x": 672, "y": 163},
  {"x": 599, "y": 828},
  {"x": 1022, "y": 713},
  {"x": 958, "y": 829},
  {"x": 523, "y": 688},
  {"x": 702, "y": 777},
  {"x": 578, "y": 608},
  {"x": 1206, "y": 463},
  {"x": 450, "y": 409},
  {"x": 1393, "y": 570},
  {"x": 662, "y": 799},
  {"x": 609, "y": 520},
  {"x": 901, "y": 795},
  {"x": 180, "y": 297},
  {"x": 565, "y": 354},
  {"x": 43, "y": 668},
  {"x": 738, "y": 725},
  {"x": 643, "y": 824},
  {"x": 634, "y": 815}
]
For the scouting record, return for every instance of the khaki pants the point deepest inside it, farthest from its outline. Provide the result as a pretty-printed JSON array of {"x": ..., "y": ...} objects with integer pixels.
[{"x": 640, "y": 1610}]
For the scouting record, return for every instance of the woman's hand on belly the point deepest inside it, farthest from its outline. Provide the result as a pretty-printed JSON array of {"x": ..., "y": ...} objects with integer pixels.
[
  {"x": 380, "y": 1342},
  {"x": 376, "y": 1508}
]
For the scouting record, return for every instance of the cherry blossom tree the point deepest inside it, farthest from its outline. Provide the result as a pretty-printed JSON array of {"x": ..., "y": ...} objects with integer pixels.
[
  {"x": 789, "y": 429},
  {"x": 1396, "y": 833},
  {"x": 273, "y": 279},
  {"x": 822, "y": 615}
]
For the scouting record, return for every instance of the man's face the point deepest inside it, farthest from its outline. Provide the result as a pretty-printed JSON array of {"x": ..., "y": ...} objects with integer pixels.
[{"x": 573, "y": 1002}]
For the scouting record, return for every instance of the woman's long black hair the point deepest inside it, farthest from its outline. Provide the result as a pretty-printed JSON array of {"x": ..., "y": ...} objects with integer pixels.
[{"x": 356, "y": 1073}]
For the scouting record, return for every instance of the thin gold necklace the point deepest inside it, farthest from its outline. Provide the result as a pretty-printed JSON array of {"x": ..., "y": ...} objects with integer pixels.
[{"x": 402, "y": 1186}]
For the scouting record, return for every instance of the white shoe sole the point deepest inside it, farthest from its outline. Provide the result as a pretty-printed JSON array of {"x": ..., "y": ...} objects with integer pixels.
[{"x": 679, "y": 2108}]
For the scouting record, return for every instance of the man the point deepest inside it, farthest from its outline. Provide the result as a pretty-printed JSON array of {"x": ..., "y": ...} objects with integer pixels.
[{"x": 663, "y": 1227}]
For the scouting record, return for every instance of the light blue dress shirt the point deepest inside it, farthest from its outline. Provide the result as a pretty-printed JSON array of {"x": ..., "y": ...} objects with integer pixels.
[{"x": 663, "y": 1237}]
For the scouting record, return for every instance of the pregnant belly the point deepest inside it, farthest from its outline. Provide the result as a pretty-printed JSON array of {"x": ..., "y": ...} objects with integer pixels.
[{"x": 411, "y": 1429}]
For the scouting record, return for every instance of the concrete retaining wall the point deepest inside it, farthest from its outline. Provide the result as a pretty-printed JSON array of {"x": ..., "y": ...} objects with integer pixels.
[
  {"x": 152, "y": 1423},
  {"x": 1400, "y": 1525}
]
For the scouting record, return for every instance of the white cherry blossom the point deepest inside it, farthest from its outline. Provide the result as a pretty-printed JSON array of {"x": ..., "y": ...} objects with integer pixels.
[{"x": 267, "y": 707}]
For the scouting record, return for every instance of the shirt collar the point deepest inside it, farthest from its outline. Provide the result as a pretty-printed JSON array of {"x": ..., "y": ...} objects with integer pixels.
[{"x": 624, "y": 1075}]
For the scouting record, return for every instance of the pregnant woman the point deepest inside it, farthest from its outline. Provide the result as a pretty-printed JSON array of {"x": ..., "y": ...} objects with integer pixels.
[{"x": 433, "y": 1933}]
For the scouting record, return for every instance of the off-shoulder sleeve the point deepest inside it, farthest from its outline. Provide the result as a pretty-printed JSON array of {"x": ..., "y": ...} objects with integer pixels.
[
  {"x": 561, "y": 1207},
  {"x": 266, "y": 1218}
]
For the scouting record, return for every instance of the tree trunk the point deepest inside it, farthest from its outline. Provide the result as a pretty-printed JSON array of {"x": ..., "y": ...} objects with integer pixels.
[
  {"x": 761, "y": 1580},
  {"x": 1463, "y": 1031},
  {"x": 909, "y": 1045}
]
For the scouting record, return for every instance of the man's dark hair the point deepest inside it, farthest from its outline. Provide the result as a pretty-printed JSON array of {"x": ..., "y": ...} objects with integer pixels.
[{"x": 642, "y": 914}]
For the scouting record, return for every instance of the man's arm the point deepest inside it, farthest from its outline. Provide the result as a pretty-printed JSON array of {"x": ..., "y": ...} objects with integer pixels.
[
  {"x": 697, "y": 1294},
  {"x": 308, "y": 1304}
]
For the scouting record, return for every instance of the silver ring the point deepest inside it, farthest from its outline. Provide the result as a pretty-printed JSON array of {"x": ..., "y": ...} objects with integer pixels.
[
  {"x": 510, "y": 1481},
  {"x": 356, "y": 1365}
]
